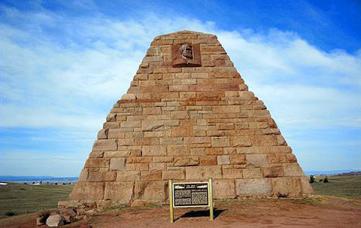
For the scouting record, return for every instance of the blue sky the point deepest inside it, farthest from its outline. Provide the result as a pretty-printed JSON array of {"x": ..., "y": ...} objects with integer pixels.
[{"x": 63, "y": 65}]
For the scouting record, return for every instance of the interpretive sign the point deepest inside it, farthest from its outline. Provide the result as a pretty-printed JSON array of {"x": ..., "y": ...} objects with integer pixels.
[{"x": 190, "y": 194}]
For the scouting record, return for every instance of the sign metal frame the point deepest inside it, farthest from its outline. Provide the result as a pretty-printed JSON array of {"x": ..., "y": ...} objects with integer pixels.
[{"x": 171, "y": 186}]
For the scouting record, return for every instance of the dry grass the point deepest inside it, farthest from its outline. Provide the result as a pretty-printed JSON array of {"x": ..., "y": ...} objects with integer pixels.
[
  {"x": 341, "y": 186},
  {"x": 20, "y": 198}
]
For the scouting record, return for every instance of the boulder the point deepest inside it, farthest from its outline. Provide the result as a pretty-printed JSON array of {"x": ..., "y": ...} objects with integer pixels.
[{"x": 55, "y": 220}]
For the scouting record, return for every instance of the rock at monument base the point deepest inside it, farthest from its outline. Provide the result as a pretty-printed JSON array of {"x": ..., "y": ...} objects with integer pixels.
[{"x": 55, "y": 220}]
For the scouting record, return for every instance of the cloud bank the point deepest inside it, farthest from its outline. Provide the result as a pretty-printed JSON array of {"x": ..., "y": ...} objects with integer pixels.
[{"x": 66, "y": 72}]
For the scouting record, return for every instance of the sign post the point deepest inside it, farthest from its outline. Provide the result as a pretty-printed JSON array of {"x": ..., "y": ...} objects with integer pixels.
[
  {"x": 190, "y": 194},
  {"x": 171, "y": 211}
]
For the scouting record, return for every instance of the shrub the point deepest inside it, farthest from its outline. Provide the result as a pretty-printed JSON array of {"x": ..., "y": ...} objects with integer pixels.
[
  {"x": 10, "y": 213},
  {"x": 312, "y": 179}
]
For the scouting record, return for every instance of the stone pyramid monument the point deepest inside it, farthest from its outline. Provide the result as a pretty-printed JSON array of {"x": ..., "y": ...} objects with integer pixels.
[{"x": 188, "y": 116}]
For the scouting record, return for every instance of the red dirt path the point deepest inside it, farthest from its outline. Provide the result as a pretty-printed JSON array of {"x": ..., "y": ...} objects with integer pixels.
[{"x": 314, "y": 212}]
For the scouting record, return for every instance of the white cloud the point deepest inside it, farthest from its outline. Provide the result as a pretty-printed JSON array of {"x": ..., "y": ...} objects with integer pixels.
[
  {"x": 94, "y": 63},
  {"x": 70, "y": 77}
]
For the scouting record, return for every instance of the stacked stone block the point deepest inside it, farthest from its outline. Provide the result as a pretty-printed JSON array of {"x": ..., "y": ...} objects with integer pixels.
[{"x": 188, "y": 124}]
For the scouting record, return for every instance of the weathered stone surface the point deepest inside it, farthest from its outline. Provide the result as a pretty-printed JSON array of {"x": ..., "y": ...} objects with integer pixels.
[
  {"x": 188, "y": 119},
  {"x": 88, "y": 191},
  {"x": 293, "y": 169},
  {"x": 154, "y": 150},
  {"x": 186, "y": 161},
  {"x": 286, "y": 187},
  {"x": 208, "y": 160},
  {"x": 105, "y": 144},
  {"x": 151, "y": 191},
  {"x": 203, "y": 172},
  {"x": 101, "y": 176},
  {"x": 252, "y": 173},
  {"x": 117, "y": 164},
  {"x": 253, "y": 187},
  {"x": 238, "y": 159},
  {"x": 257, "y": 160},
  {"x": 223, "y": 160},
  {"x": 128, "y": 175},
  {"x": 274, "y": 171},
  {"x": 220, "y": 141},
  {"x": 119, "y": 191},
  {"x": 224, "y": 189},
  {"x": 173, "y": 174}
]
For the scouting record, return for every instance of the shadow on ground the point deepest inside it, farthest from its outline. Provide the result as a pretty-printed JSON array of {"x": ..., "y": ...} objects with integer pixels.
[{"x": 201, "y": 213}]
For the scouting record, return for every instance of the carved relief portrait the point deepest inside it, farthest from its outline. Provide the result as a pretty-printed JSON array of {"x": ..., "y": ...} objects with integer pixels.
[{"x": 186, "y": 55}]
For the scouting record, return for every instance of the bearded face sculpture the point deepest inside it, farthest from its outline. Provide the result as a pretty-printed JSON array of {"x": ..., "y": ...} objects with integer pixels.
[
  {"x": 186, "y": 55},
  {"x": 186, "y": 52}
]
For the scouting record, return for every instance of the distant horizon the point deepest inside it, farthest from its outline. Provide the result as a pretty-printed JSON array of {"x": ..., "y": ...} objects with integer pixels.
[{"x": 307, "y": 172}]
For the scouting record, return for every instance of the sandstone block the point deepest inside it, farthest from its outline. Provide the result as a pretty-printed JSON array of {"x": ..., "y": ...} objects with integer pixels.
[
  {"x": 305, "y": 185},
  {"x": 208, "y": 160},
  {"x": 238, "y": 159},
  {"x": 203, "y": 172},
  {"x": 197, "y": 140},
  {"x": 251, "y": 187},
  {"x": 186, "y": 161},
  {"x": 173, "y": 174},
  {"x": 151, "y": 175},
  {"x": 286, "y": 187},
  {"x": 257, "y": 160},
  {"x": 152, "y": 191},
  {"x": 226, "y": 109},
  {"x": 157, "y": 166},
  {"x": 220, "y": 141},
  {"x": 105, "y": 144},
  {"x": 126, "y": 142},
  {"x": 274, "y": 171},
  {"x": 224, "y": 189},
  {"x": 152, "y": 111},
  {"x": 291, "y": 158},
  {"x": 88, "y": 191},
  {"x": 119, "y": 191},
  {"x": 177, "y": 150},
  {"x": 117, "y": 164},
  {"x": 103, "y": 134},
  {"x": 223, "y": 160},
  {"x": 83, "y": 175},
  {"x": 112, "y": 117},
  {"x": 131, "y": 124},
  {"x": 102, "y": 176},
  {"x": 162, "y": 159},
  {"x": 137, "y": 166},
  {"x": 128, "y": 176},
  {"x": 97, "y": 163},
  {"x": 152, "y": 125},
  {"x": 292, "y": 169},
  {"x": 239, "y": 141},
  {"x": 154, "y": 151},
  {"x": 139, "y": 159},
  {"x": 232, "y": 173},
  {"x": 252, "y": 173},
  {"x": 129, "y": 96}
]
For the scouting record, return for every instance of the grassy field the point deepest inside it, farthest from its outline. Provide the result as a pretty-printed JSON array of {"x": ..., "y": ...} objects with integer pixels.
[
  {"x": 20, "y": 198},
  {"x": 342, "y": 186}
]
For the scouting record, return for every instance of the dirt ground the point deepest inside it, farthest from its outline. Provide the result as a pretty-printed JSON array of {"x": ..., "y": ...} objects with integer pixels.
[{"x": 313, "y": 212}]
